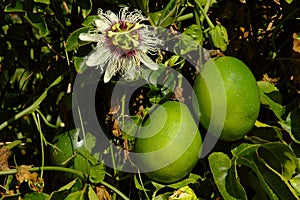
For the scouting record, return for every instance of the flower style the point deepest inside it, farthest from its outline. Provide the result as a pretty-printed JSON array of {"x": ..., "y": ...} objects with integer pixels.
[{"x": 122, "y": 43}]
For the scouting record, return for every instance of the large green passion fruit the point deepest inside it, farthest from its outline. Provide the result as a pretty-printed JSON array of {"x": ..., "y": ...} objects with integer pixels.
[
  {"x": 235, "y": 89},
  {"x": 169, "y": 143}
]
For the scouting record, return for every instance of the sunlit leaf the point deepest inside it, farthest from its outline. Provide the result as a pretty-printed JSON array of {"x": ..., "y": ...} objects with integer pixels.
[
  {"x": 219, "y": 37},
  {"x": 190, "y": 40},
  {"x": 183, "y": 193},
  {"x": 36, "y": 196},
  {"x": 73, "y": 41},
  {"x": 295, "y": 182},
  {"x": 138, "y": 185},
  {"x": 78, "y": 195},
  {"x": 225, "y": 176},
  {"x": 97, "y": 173},
  {"x": 192, "y": 179},
  {"x": 203, "y": 2},
  {"x": 42, "y": 1},
  {"x": 92, "y": 194},
  {"x": 15, "y": 7},
  {"x": 266, "y": 87},
  {"x": 38, "y": 23},
  {"x": 275, "y": 107}
]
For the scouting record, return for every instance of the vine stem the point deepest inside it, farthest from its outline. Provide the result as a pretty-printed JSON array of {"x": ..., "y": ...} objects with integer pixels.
[
  {"x": 33, "y": 107},
  {"x": 79, "y": 174},
  {"x": 38, "y": 125}
]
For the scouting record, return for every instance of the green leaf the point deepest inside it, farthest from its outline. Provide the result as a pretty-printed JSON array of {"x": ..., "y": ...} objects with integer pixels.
[
  {"x": 266, "y": 87},
  {"x": 183, "y": 193},
  {"x": 42, "y": 1},
  {"x": 75, "y": 184},
  {"x": 138, "y": 185},
  {"x": 79, "y": 195},
  {"x": 169, "y": 14},
  {"x": 280, "y": 156},
  {"x": 266, "y": 90},
  {"x": 97, "y": 173},
  {"x": 292, "y": 124},
  {"x": 295, "y": 182},
  {"x": 203, "y": 2},
  {"x": 64, "y": 191},
  {"x": 91, "y": 194},
  {"x": 246, "y": 155},
  {"x": 190, "y": 39},
  {"x": 289, "y": 1},
  {"x": 265, "y": 134},
  {"x": 89, "y": 21},
  {"x": 225, "y": 176},
  {"x": 245, "y": 150},
  {"x": 11, "y": 197},
  {"x": 36, "y": 196},
  {"x": 143, "y": 5},
  {"x": 73, "y": 41},
  {"x": 37, "y": 21},
  {"x": 277, "y": 182},
  {"x": 219, "y": 37},
  {"x": 275, "y": 107},
  {"x": 80, "y": 64},
  {"x": 15, "y": 7},
  {"x": 192, "y": 179}
]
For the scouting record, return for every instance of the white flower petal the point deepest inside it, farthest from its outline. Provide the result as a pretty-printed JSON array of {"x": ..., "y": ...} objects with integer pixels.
[
  {"x": 146, "y": 60},
  {"x": 102, "y": 24},
  {"x": 110, "y": 70},
  {"x": 98, "y": 57},
  {"x": 89, "y": 37}
]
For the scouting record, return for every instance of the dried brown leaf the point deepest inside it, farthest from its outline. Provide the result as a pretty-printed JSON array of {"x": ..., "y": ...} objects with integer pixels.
[
  {"x": 4, "y": 155},
  {"x": 178, "y": 94},
  {"x": 296, "y": 42},
  {"x": 23, "y": 173},
  {"x": 102, "y": 193}
]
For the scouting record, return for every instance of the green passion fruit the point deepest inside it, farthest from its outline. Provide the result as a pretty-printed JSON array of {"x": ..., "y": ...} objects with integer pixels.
[
  {"x": 169, "y": 143},
  {"x": 72, "y": 153},
  {"x": 233, "y": 86}
]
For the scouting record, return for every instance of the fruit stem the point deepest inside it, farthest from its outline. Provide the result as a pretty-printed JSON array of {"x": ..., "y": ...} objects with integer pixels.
[
  {"x": 211, "y": 25},
  {"x": 206, "y": 7},
  {"x": 185, "y": 17}
]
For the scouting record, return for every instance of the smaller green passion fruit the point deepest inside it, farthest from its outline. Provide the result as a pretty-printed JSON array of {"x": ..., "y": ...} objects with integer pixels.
[
  {"x": 226, "y": 98},
  {"x": 169, "y": 143},
  {"x": 72, "y": 153}
]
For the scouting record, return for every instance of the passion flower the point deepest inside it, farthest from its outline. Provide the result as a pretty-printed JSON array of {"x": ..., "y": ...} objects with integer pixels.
[{"x": 122, "y": 43}]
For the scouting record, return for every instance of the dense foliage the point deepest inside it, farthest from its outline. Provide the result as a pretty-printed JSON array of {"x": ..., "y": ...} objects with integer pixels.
[{"x": 41, "y": 56}]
